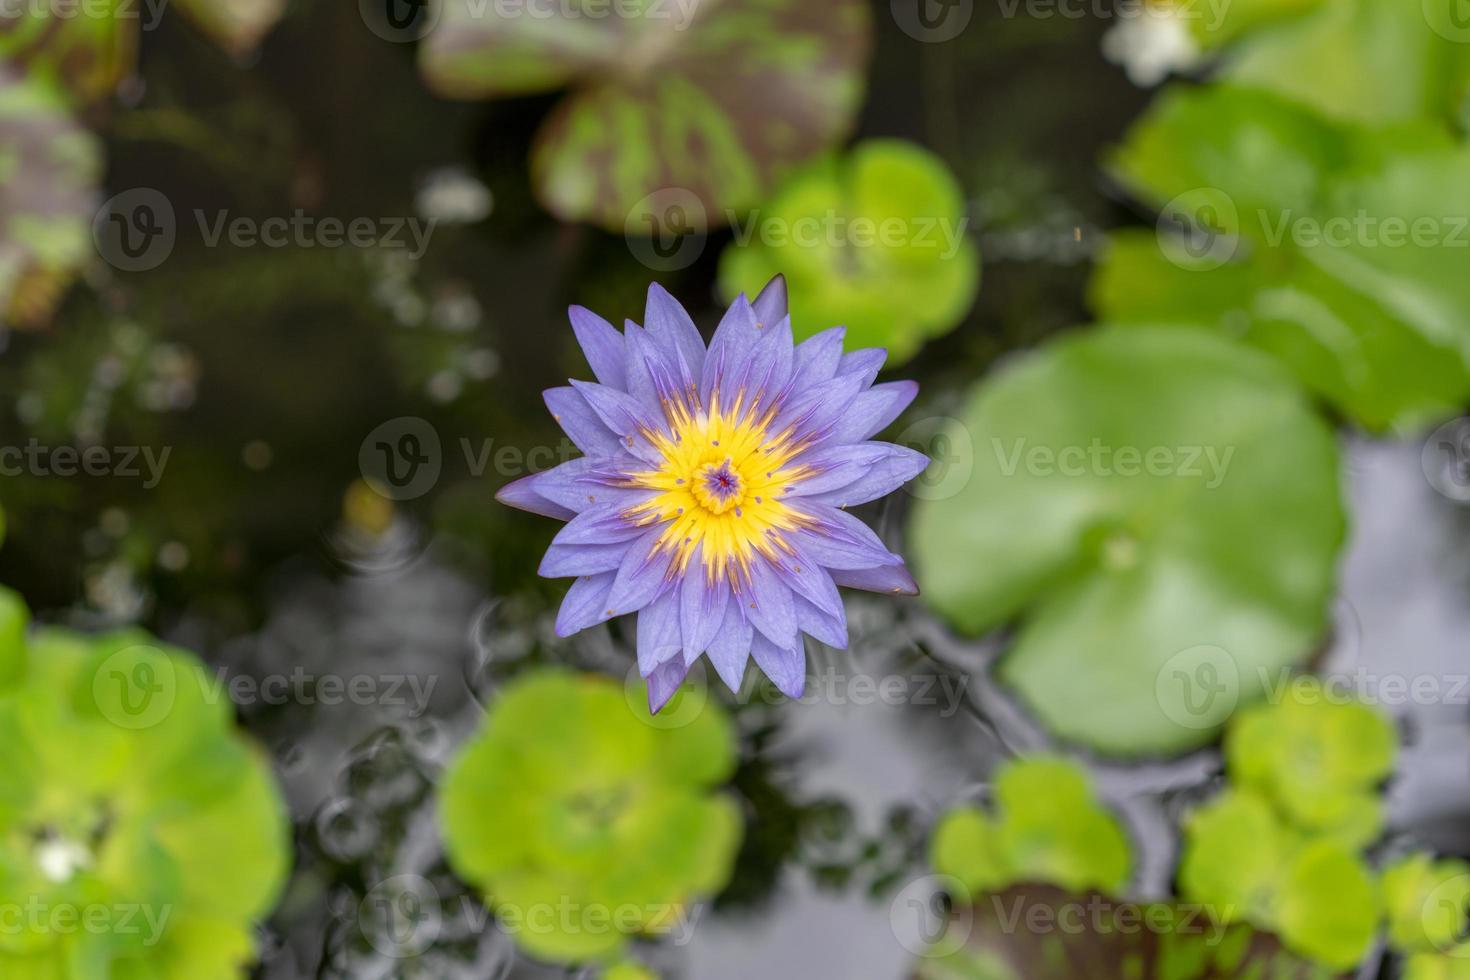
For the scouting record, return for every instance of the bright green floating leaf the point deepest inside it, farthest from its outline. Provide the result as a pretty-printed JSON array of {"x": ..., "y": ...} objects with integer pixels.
[
  {"x": 1453, "y": 965},
  {"x": 1317, "y": 758},
  {"x": 1047, "y": 827},
  {"x": 707, "y": 115},
  {"x": 1371, "y": 61},
  {"x": 629, "y": 970},
  {"x": 1235, "y": 847},
  {"x": 1044, "y": 933},
  {"x": 1426, "y": 902},
  {"x": 1160, "y": 510},
  {"x": 49, "y": 168},
  {"x": 874, "y": 241},
  {"x": 1341, "y": 251},
  {"x": 1327, "y": 907},
  {"x": 572, "y": 792},
  {"x": 130, "y": 799},
  {"x": 1242, "y": 863}
]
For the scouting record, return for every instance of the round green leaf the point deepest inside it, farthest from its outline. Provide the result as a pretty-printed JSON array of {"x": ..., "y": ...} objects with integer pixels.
[
  {"x": 1327, "y": 906},
  {"x": 964, "y": 847},
  {"x": 1340, "y": 251},
  {"x": 874, "y": 242},
  {"x": 127, "y": 788},
  {"x": 707, "y": 105},
  {"x": 1160, "y": 510},
  {"x": 1047, "y": 828},
  {"x": 1362, "y": 60},
  {"x": 1426, "y": 902},
  {"x": 1234, "y": 850},
  {"x": 573, "y": 793}
]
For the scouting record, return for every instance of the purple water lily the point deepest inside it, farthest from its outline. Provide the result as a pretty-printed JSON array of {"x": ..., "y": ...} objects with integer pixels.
[{"x": 710, "y": 500}]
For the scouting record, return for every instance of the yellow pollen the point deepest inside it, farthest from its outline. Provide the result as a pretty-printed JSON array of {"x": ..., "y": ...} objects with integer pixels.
[{"x": 718, "y": 483}]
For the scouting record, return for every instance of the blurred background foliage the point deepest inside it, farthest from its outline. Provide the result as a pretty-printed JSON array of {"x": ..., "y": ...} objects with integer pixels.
[{"x": 573, "y": 159}]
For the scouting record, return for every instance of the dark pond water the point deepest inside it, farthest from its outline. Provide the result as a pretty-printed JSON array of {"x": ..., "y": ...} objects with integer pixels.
[{"x": 265, "y": 371}]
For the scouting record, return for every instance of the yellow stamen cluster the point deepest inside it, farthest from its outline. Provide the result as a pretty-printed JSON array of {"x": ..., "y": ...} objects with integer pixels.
[{"x": 721, "y": 485}]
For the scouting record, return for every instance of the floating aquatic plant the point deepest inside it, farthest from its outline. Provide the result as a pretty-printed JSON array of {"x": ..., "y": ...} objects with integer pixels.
[
  {"x": 711, "y": 499},
  {"x": 1317, "y": 757},
  {"x": 1281, "y": 847},
  {"x": 1339, "y": 250},
  {"x": 1244, "y": 863},
  {"x": 874, "y": 240},
  {"x": 86, "y": 49},
  {"x": 1130, "y": 483},
  {"x": 709, "y": 103},
  {"x": 144, "y": 836},
  {"x": 585, "y": 822},
  {"x": 1046, "y": 827}
]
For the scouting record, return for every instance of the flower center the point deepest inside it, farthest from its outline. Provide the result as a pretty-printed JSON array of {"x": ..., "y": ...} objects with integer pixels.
[{"x": 717, "y": 487}]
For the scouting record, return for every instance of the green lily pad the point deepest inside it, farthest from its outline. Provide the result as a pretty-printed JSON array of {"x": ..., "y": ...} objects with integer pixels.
[
  {"x": 874, "y": 241},
  {"x": 1426, "y": 901},
  {"x": 1216, "y": 26},
  {"x": 573, "y": 793},
  {"x": 129, "y": 798},
  {"x": 1372, "y": 61},
  {"x": 707, "y": 105},
  {"x": 1040, "y": 932},
  {"x": 1338, "y": 250},
  {"x": 81, "y": 49},
  {"x": 1047, "y": 827},
  {"x": 1159, "y": 511},
  {"x": 49, "y": 169}
]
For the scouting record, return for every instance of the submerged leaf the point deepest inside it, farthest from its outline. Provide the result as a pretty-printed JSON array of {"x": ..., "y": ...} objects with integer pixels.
[
  {"x": 711, "y": 102},
  {"x": 49, "y": 169}
]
